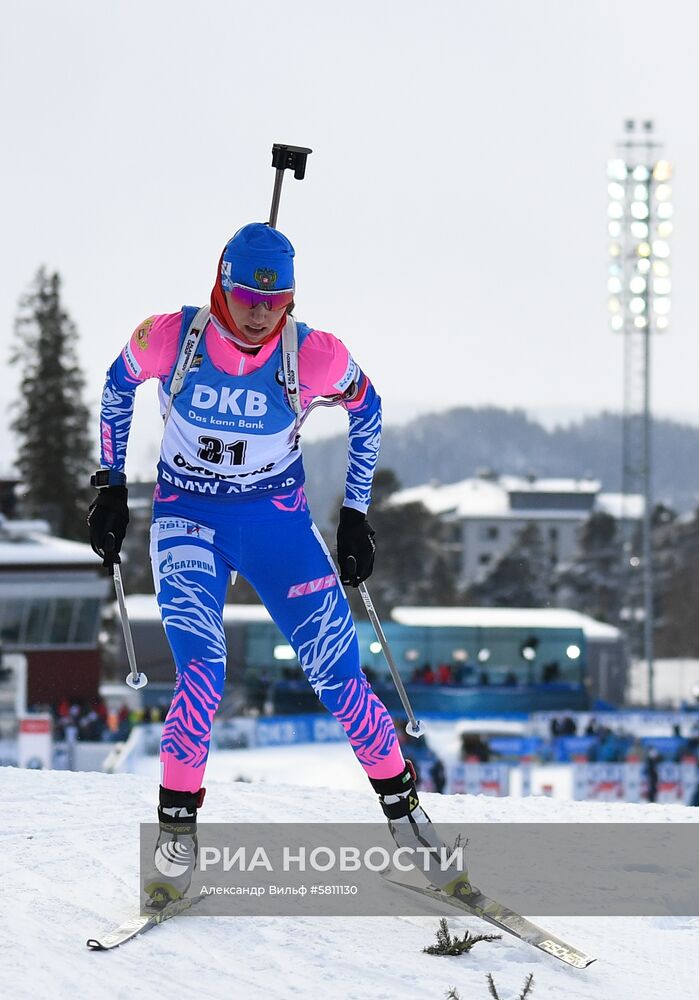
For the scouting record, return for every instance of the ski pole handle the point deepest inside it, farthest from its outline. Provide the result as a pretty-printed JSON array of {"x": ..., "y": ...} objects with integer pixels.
[
  {"x": 111, "y": 556},
  {"x": 286, "y": 158}
]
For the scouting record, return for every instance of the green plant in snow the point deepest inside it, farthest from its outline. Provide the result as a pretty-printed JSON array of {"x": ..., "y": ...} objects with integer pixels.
[
  {"x": 526, "y": 989},
  {"x": 448, "y": 945}
]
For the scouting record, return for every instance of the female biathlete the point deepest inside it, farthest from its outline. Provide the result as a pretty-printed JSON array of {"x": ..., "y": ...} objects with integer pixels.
[{"x": 230, "y": 498}]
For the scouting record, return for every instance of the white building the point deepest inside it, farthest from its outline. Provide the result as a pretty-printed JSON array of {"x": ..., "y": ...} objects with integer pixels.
[{"x": 483, "y": 516}]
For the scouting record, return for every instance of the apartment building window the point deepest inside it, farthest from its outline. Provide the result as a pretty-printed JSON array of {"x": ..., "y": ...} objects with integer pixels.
[{"x": 489, "y": 533}]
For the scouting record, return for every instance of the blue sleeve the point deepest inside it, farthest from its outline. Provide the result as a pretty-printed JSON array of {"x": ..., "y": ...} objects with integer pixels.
[
  {"x": 364, "y": 442},
  {"x": 116, "y": 412}
]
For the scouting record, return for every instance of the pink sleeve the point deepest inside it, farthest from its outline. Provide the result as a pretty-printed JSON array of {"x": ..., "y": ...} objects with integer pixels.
[
  {"x": 326, "y": 366},
  {"x": 152, "y": 350}
]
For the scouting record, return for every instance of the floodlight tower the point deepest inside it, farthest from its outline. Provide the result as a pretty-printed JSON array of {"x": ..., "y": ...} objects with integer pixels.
[{"x": 639, "y": 226}]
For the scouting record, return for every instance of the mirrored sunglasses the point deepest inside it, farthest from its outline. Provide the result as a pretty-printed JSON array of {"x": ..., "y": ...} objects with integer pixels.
[{"x": 248, "y": 298}]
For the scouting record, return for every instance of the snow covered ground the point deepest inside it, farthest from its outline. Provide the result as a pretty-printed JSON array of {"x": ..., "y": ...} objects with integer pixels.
[
  {"x": 314, "y": 764},
  {"x": 69, "y": 871},
  {"x": 329, "y": 764}
]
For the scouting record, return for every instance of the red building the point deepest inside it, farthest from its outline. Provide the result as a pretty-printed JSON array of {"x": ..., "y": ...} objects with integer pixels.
[{"x": 51, "y": 595}]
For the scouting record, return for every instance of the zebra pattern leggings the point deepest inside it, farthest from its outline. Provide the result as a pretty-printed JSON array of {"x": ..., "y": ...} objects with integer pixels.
[{"x": 195, "y": 544}]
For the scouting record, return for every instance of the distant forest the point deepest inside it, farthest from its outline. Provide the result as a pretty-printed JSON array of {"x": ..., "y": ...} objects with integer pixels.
[{"x": 458, "y": 443}]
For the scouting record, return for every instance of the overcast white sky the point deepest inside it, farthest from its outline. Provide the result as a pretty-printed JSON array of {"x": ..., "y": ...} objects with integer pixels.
[{"x": 452, "y": 225}]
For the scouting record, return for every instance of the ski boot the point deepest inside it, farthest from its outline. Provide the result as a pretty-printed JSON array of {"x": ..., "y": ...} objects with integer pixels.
[
  {"x": 410, "y": 826},
  {"x": 176, "y": 850}
]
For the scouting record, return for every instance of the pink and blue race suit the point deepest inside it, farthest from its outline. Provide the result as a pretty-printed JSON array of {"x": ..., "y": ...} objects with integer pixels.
[{"x": 230, "y": 497}]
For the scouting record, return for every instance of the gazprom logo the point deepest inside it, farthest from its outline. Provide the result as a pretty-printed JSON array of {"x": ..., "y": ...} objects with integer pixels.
[
  {"x": 187, "y": 558},
  {"x": 240, "y": 402}
]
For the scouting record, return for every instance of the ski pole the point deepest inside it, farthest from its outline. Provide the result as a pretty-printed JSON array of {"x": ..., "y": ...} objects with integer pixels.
[
  {"x": 135, "y": 679},
  {"x": 283, "y": 158},
  {"x": 286, "y": 158},
  {"x": 413, "y": 728}
]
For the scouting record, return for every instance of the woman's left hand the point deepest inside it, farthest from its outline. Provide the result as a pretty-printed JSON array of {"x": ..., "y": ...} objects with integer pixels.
[{"x": 355, "y": 547}]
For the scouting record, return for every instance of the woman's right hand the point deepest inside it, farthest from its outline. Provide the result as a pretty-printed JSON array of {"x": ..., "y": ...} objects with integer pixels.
[{"x": 108, "y": 514}]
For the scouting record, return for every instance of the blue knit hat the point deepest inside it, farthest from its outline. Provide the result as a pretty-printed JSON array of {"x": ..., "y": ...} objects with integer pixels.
[{"x": 258, "y": 257}]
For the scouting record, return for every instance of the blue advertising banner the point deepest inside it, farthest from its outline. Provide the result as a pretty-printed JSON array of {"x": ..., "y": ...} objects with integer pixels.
[{"x": 288, "y": 729}]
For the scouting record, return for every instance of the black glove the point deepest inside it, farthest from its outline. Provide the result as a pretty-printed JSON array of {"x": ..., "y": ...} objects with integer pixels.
[
  {"x": 355, "y": 547},
  {"x": 108, "y": 514}
]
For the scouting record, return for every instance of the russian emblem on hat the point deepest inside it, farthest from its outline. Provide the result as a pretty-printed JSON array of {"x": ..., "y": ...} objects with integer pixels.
[{"x": 265, "y": 277}]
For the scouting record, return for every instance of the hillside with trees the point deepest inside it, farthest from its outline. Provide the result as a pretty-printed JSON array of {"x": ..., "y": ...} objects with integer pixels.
[{"x": 457, "y": 443}]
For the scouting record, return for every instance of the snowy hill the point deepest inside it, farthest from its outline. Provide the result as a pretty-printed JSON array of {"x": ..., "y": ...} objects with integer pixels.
[{"x": 70, "y": 871}]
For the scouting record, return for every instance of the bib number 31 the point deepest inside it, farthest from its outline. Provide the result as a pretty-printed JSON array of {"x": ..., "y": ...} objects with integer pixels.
[{"x": 214, "y": 451}]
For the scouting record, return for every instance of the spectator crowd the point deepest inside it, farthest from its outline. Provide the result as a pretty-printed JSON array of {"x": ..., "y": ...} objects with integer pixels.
[
  {"x": 468, "y": 675},
  {"x": 76, "y": 719}
]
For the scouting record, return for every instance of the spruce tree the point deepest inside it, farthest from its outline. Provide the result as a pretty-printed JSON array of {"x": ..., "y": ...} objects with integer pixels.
[
  {"x": 411, "y": 563},
  {"x": 522, "y": 578},
  {"x": 593, "y": 581},
  {"x": 52, "y": 420},
  {"x": 676, "y": 545}
]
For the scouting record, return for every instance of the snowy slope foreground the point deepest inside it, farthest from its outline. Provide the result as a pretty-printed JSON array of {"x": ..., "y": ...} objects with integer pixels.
[{"x": 69, "y": 871}]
